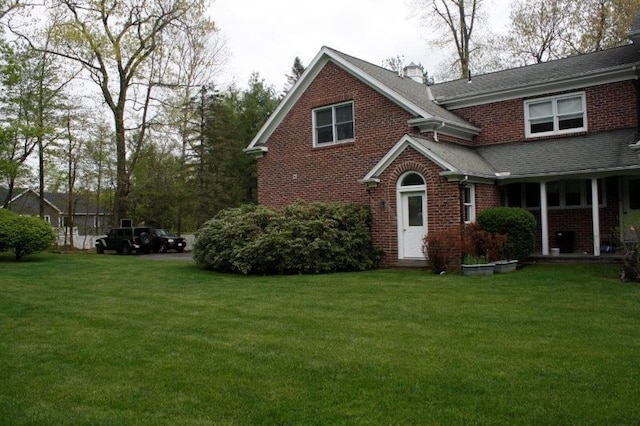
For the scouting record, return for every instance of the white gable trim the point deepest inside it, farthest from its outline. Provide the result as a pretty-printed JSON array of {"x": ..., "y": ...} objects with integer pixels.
[
  {"x": 37, "y": 195},
  {"x": 288, "y": 101},
  {"x": 372, "y": 178},
  {"x": 383, "y": 89},
  {"x": 56, "y": 208},
  {"x": 321, "y": 59}
]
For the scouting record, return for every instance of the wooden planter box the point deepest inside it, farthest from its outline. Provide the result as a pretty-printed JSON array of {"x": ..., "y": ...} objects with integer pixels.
[
  {"x": 503, "y": 266},
  {"x": 481, "y": 269}
]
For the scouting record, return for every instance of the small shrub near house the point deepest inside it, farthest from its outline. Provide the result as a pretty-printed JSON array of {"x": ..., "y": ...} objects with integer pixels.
[
  {"x": 299, "y": 239},
  {"x": 480, "y": 245},
  {"x": 24, "y": 235},
  {"x": 442, "y": 249},
  {"x": 517, "y": 224}
]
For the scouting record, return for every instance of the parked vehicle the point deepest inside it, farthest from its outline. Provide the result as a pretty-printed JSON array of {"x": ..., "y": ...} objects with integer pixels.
[
  {"x": 126, "y": 240},
  {"x": 163, "y": 241}
]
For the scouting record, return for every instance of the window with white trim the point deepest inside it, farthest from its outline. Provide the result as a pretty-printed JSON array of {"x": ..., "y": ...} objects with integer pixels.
[
  {"x": 469, "y": 203},
  {"x": 556, "y": 115},
  {"x": 333, "y": 124}
]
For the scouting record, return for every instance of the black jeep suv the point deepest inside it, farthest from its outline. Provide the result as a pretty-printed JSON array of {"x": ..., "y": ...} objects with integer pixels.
[
  {"x": 126, "y": 240},
  {"x": 162, "y": 241}
]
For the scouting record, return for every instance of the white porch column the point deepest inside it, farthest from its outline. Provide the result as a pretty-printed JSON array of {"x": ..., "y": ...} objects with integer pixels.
[
  {"x": 544, "y": 220},
  {"x": 595, "y": 213}
]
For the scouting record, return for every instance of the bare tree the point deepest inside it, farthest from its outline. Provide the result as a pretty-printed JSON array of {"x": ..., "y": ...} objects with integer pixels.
[
  {"x": 599, "y": 24},
  {"x": 197, "y": 58},
  {"x": 543, "y": 30},
  {"x": 8, "y": 6},
  {"x": 537, "y": 30},
  {"x": 115, "y": 43},
  {"x": 459, "y": 18},
  {"x": 296, "y": 72}
]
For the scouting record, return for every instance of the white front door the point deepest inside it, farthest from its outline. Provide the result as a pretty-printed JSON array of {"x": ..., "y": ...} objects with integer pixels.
[{"x": 413, "y": 226}]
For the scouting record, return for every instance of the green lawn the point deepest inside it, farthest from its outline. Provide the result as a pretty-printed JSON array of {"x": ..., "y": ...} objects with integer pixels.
[{"x": 87, "y": 339}]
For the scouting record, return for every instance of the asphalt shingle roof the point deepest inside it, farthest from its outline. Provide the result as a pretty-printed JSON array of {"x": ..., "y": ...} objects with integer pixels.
[
  {"x": 593, "y": 152},
  {"x": 558, "y": 70},
  {"x": 464, "y": 159},
  {"x": 57, "y": 199},
  {"x": 602, "y": 152},
  {"x": 409, "y": 89},
  {"x": 588, "y": 153}
]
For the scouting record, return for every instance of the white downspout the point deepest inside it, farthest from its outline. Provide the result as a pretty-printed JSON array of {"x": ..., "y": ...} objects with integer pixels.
[
  {"x": 595, "y": 213},
  {"x": 544, "y": 219},
  {"x": 435, "y": 131}
]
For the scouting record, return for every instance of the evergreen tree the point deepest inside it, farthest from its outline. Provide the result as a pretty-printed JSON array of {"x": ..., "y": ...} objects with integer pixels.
[{"x": 296, "y": 71}]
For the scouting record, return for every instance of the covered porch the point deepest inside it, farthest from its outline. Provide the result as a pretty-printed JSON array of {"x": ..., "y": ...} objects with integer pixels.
[{"x": 581, "y": 189}]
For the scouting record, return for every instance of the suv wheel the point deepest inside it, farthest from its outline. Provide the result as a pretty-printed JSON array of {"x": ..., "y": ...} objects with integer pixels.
[
  {"x": 145, "y": 239},
  {"x": 163, "y": 247},
  {"x": 100, "y": 248},
  {"x": 126, "y": 248}
]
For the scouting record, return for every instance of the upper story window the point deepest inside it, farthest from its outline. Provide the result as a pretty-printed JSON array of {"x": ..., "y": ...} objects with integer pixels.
[
  {"x": 556, "y": 115},
  {"x": 333, "y": 124}
]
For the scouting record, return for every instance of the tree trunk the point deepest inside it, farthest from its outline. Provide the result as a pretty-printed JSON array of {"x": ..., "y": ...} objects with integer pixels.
[{"x": 120, "y": 202}]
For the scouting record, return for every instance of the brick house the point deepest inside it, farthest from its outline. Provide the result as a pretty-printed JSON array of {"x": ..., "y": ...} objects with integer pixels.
[{"x": 558, "y": 138}]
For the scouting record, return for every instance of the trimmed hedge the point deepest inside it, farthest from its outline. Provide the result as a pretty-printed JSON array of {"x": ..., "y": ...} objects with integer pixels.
[
  {"x": 300, "y": 239},
  {"x": 517, "y": 224},
  {"x": 24, "y": 235}
]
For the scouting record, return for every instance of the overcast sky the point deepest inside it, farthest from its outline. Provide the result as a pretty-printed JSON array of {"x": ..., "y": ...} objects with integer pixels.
[{"x": 265, "y": 36}]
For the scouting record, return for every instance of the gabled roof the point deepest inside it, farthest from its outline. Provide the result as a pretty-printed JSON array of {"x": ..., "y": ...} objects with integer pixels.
[
  {"x": 414, "y": 92},
  {"x": 454, "y": 159},
  {"x": 405, "y": 92},
  {"x": 570, "y": 156},
  {"x": 28, "y": 199},
  {"x": 605, "y": 66},
  {"x": 22, "y": 196}
]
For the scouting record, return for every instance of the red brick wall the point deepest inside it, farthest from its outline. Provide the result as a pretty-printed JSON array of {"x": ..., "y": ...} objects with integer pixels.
[
  {"x": 293, "y": 170},
  {"x": 487, "y": 196},
  {"x": 610, "y": 106},
  {"x": 443, "y": 208}
]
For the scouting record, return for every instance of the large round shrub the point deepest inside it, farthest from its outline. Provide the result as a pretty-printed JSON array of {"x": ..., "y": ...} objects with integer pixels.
[
  {"x": 24, "y": 234},
  {"x": 517, "y": 224},
  {"x": 301, "y": 238},
  {"x": 6, "y": 218}
]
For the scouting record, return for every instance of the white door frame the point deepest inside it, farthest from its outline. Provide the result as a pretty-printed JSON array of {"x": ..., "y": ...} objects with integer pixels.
[{"x": 402, "y": 194}]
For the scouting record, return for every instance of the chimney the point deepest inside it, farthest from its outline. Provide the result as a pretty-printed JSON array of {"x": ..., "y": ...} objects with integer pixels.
[{"x": 414, "y": 72}]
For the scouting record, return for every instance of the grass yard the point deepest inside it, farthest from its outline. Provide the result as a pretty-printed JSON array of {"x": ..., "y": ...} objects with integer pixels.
[{"x": 87, "y": 339}]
